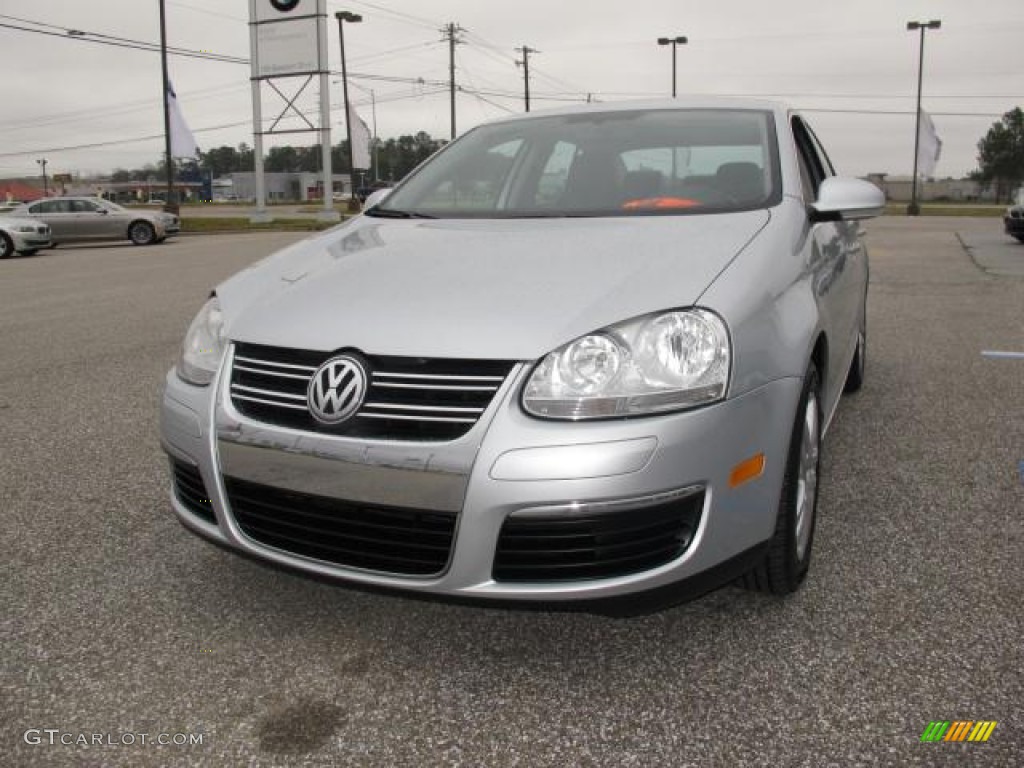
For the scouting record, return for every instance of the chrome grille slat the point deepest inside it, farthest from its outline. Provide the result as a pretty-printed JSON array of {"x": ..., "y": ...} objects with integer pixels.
[
  {"x": 400, "y": 417},
  {"x": 279, "y": 374},
  {"x": 407, "y": 398},
  {"x": 439, "y": 387},
  {"x": 271, "y": 392},
  {"x": 384, "y": 374},
  {"x": 423, "y": 408},
  {"x": 309, "y": 368},
  {"x": 271, "y": 402}
]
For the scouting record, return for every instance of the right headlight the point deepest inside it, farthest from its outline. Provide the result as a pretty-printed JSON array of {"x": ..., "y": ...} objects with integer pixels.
[
  {"x": 204, "y": 345},
  {"x": 657, "y": 363}
]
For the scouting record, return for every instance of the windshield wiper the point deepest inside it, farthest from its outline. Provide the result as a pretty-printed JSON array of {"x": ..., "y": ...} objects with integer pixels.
[{"x": 391, "y": 213}]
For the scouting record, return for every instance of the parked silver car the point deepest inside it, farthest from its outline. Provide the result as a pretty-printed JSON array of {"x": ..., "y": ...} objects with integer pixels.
[
  {"x": 75, "y": 219},
  {"x": 581, "y": 357},
  {"x": 24, "y": 236}
]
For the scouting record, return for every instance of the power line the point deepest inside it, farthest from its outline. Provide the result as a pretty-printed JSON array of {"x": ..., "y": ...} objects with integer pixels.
[
  {"x": 408, "y": 18},
  {"x": 140, "y": 45}
]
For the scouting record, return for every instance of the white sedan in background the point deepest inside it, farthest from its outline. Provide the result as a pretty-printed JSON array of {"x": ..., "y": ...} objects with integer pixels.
[{"x": 21, "y": 235}]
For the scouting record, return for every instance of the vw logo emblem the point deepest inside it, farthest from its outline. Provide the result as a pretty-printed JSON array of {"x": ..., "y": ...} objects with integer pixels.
[
  {"x": 284, "y": 5},
  {"x": 337, "y": 390}
]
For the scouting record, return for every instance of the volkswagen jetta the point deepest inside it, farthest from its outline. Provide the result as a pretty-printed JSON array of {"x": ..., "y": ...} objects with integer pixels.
[{"x": 577, "y": 357}]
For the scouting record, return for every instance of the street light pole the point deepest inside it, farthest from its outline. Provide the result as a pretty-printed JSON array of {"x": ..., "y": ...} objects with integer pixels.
[
  {"x": 914, "y": 209},
  {"x": 673, "y": 41},
  {"x": 46, "y": 191},
  {"x": 352, "y": 18},
  {"x": 169, "y": 203}
]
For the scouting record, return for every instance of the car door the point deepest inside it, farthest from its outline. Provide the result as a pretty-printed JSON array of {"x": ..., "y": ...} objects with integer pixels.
[
  {"x": 91, "y": 220},
  {"x": 837, "y": 262},
  {"x": 58, "y": 214}
]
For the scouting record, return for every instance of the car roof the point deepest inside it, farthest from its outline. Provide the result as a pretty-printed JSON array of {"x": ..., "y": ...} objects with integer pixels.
[{"x": 681, "y": 103}]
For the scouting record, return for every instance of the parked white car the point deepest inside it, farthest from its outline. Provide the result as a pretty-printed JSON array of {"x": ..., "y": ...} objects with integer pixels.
[{"x": 21, "y": 235}]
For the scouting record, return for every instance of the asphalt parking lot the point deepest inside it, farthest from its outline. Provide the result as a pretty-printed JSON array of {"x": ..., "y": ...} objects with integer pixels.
[{"x": 117, "y": 621}]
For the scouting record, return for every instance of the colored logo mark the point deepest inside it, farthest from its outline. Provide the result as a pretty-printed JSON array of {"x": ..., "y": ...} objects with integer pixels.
[{"x": 959, "y": 730}]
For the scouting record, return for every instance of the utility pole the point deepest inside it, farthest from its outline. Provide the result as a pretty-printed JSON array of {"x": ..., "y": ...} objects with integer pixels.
[
  {"x": 526, "y": 51},
  {"x": 42, "y": 164},
  {"x": 169, "y": 204},
  {"x": 914, "y": 209},
  {"x": 451, "y": 33}
]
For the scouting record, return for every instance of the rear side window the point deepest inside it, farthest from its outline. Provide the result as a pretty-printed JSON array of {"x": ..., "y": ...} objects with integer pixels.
[{"x": 51, "y": 206}]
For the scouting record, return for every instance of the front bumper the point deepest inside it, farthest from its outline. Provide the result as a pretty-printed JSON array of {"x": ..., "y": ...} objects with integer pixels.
[
  {"x": 1014, "y": 225},
  {"x": 30, "y": 241},
  {"x": 510, "y": 472}
]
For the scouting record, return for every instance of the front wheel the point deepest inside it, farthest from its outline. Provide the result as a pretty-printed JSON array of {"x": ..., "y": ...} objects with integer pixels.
[
  {"x": 6, "y": 246},
  {"x": 142, "y": 233},
  {"x": 788, "y": 557}
]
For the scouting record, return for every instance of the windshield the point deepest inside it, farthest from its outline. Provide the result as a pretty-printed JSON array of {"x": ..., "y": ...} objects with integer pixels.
[{"x": 622, "y": 163}]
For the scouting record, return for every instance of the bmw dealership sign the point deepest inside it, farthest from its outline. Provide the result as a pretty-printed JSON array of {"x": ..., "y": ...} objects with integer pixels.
[
  {"x": 288, "y": 37},
  {"x": 275, "y": 10}
]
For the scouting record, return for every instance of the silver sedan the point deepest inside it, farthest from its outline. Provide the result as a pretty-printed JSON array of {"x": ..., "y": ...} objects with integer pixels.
[
  {"x": 579, "y": 357},
  {"x": 21, "y": 235},
  {"x": 76, "y": 219}
]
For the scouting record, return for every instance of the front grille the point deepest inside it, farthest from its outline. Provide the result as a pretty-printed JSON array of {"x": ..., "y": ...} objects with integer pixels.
[
  {"x": 406, "y": 542},
  {"x": 191, "y": 491},
  {"x": 408, "y": 398},
  {"x": 43, "y": 230},
  {"x": 599, "y": 546}
]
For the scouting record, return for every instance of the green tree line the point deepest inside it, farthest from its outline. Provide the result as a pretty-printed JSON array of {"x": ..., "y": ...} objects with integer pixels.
[{"x": 392, "y": 160}]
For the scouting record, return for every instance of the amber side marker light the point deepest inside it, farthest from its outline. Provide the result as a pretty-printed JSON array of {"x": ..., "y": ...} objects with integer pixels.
[{"x": 748, "y": 470}]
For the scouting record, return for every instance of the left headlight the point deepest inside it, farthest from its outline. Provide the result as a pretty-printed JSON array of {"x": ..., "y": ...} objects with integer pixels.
[
  {"x": 24, "y": 228},
  {"x": 204, "y": 345},
  {"x": 657, "y": 363}
]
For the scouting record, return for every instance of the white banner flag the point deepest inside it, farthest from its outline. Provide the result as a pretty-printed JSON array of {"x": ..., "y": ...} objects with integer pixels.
[
  {"x": 929, "y": 146},
  {"x": 183, "y": 143},
  {"x": 360, "y": 139}
]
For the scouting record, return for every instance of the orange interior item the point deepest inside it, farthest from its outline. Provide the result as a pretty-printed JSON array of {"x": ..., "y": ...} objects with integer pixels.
[{"x": 659, "y": 203}]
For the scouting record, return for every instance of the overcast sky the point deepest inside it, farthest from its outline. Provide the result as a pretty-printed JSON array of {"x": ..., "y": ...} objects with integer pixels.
[{"x": 850, "y": 66}]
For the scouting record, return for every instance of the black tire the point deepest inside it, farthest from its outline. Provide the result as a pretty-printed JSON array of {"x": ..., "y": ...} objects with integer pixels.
[
  {"x": 141, "y": 233},
  {"x": 855, "y": 376},
  {"x": 6, "y": 246},
  {"x": 785, "y": 564}
]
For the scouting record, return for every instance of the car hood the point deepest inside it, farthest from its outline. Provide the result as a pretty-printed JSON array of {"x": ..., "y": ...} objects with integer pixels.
[{"x": 510, "y": 289}]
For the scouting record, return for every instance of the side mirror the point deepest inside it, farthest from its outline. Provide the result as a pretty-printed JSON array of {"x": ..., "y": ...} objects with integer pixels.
[
  {"x": 376, "y": 197},
  {"x": 845, "y": 199}
]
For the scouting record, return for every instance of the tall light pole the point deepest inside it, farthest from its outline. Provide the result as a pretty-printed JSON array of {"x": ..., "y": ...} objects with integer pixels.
[
  {"x": 169, "y": 204},
  {"x": 42, "y": 164},
  {"x": 351, "y": 18},
  {"x": 673, "y": 41},
  {"x": 914, "y": 209}
]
